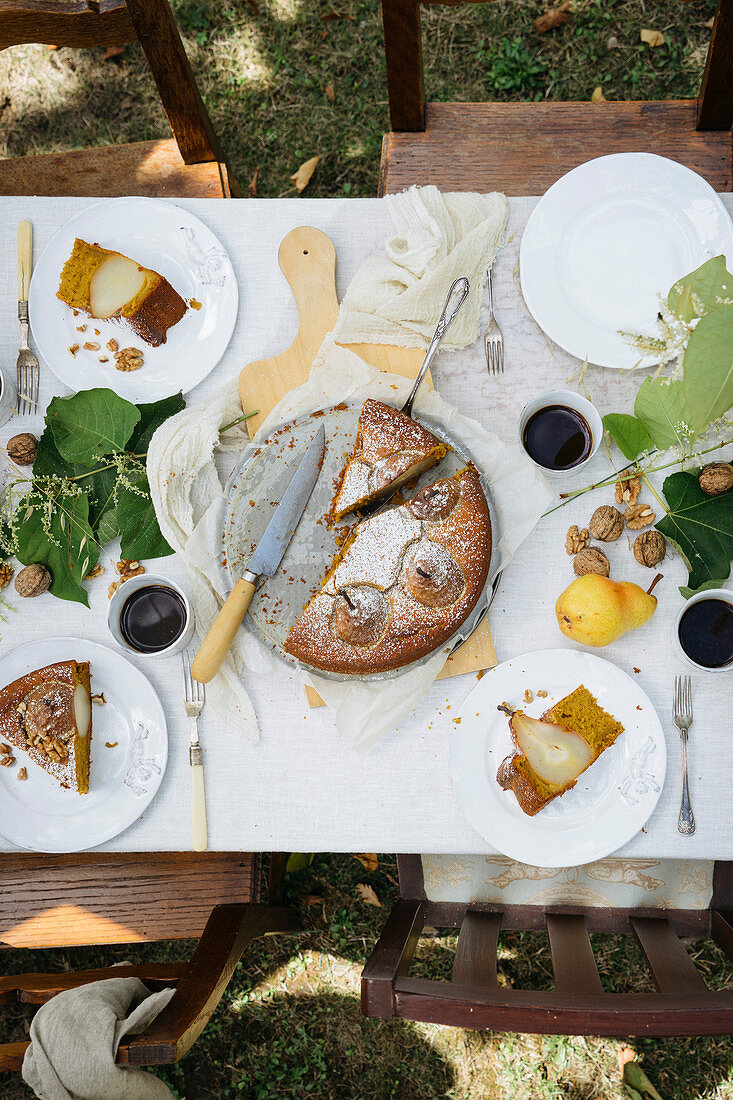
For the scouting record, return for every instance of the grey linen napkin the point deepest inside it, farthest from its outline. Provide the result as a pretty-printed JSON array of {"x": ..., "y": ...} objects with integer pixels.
[{"x": 74, "y": 1041}]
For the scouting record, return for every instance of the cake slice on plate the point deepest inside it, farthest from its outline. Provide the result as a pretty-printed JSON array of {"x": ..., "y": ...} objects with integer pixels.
[
  {"x": 553, "y": 751},
  {"x": 402, "y": 584},
  {"x": 48, "y": 714},
  {"x": 390, "y": 449},
  {"x": 108, "y": 285}
]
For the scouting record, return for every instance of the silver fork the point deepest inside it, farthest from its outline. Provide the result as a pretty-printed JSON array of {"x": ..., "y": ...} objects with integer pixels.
[
  {"x": 27, "y": 367},
  {"x": 493, "y": 339},
  {"x": 683, "y": 721},
  {"x": 194, "y": 697}
]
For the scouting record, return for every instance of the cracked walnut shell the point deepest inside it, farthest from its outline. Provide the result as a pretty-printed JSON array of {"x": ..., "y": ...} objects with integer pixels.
[
  {"x": 628, "y": 487},
  {"x": 591, "y": 560},
  {"x": 576, "y": 540},
  {"x": 606, "y": 523},
  {"x": 716, "y": 478},
  {"x": 638, "y": 516},
  {"x": 650, "y": 548}
]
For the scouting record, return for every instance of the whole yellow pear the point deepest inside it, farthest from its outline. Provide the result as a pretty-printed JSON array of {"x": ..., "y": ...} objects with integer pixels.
[{"x": 595, "y": 610}]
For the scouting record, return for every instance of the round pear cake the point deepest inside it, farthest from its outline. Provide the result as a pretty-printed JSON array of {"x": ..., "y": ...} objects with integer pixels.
[{"x": 403, "y": 583}]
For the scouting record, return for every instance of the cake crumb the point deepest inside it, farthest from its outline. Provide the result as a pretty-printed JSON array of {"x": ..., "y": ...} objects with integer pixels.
[
  {"x": 194, "y": 303},
  {"x": 637, "y": 670},
  {"x": 81, "y": 328},
  {"x": 73, "y": 348},
  {"x": 22, "y": 774},
  {"x": 111, "y": 744},
  {"x": 542, "y": 694},
  {"x": 99, "y": 699},
  {"x": 479, "y": 674},
  {"x": 528, "y": 696}
]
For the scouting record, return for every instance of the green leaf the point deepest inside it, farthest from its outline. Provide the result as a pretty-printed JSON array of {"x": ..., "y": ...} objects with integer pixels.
[
  {"x": 687, "y": 592},
  {"x": 628, "y": 433},
  {"x": 701, "y": 527},
  {"x": 662, "y": 409},
  {"x": 70, "y": 555},
  {"x": 141, "y": 535},
  {"x": 108, "y": 527},
  {"x": 48, "y": 461},
  {"x": 91, "y": 424},
  {"x": 634, "y": 1078},
  {"x": 708, "y": 368},
  {"x": 705, "y": 289},
  {"x": 151, "y": 417}
]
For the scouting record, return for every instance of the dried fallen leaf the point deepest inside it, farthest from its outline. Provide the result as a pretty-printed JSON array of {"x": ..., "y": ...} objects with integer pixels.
[
  {"x": 253, "y": 182},
  {"x": 555, "y": 17},
  {"x": 652, "y": 38},
  {"x": 112, "y": 51},
  {"x": 302, "y": 177},
  {"x": 368, "y": 894},
  {"x": 625, "y": 1054},
  {"x": 368, "y": 860},
  {"x": 598, "y": 96},
  {"x": 330, "y": 93},
  {"x": 312, "y": 899}
]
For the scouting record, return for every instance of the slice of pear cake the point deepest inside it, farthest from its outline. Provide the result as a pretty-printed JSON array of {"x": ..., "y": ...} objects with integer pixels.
[{"x": 551, "y": 752}]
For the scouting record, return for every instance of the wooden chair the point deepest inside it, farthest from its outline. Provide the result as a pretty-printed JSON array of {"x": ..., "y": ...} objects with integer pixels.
[
  {"x": 523, "y": 148},
  {"x": 579, "y": 1004},
  {"x": 190, "y": 165},
  {"x": 54, "y": 901}
]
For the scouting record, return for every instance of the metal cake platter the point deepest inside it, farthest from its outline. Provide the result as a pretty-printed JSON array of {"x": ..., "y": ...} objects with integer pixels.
[{"x": 255, "y": 490}]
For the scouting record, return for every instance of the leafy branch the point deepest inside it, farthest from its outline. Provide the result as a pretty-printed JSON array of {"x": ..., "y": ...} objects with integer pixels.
[{"x": 89, "y": 485}]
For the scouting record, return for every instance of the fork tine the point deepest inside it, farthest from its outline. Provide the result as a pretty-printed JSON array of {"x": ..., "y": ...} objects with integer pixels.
[
  {"x": 36, "y": 373},
  {"x": 186, "y": 675},
  {"x": 675, "y": 700},
  {"x": 501, "y": 356},
  {"x": 688, "y": 698},
  {"x": 494, "y": 360}
]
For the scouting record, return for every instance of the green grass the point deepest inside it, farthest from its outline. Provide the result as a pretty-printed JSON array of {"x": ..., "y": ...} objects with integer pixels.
[
  {"x": 289, "y": 1024},
  {"x": 264, "y": 67}
]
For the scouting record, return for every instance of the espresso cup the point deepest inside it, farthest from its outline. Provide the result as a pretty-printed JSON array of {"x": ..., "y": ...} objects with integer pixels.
[
  {"x": 725, "y": 595},
  {"x": 120, "y": 599},
  {"x": 568, "y": 399}
]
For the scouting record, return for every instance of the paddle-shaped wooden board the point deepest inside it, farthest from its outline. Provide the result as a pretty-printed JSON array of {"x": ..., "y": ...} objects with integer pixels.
[{"x": 307, "y": 259}]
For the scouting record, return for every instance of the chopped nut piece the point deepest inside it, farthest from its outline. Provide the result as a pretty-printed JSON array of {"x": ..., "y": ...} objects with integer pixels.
[
  {"x": 112, "y": 589},
  {"x": 91, "y": 345},
  {"x": 5, "y": 749},
  {"x": 7, "y": 761},
  {"x": 99, "y": 699},
  {"x": 591, "y": 560},
  {"x": 628, "y": 487},
  {"x": 104, "y": 359},
  {"x": 112, "y": 345},
  {"x": 81, "y": 328},
  {"x": 541, "y": 694},
  {"x": 96, "y": 332},
  {"x": 73, "y": 348},
  {"x": 6, "y": 575},
  {"x": 128, "y": 359},
  {"x": 128, "y": 568},
  {"x": 638, "y": 516},
  {"x": 528, "y": 695},
  {"x": 22, "y": 707},
  {"x": 22, "y": 774},
  {"x": 606, "y": 523},
  {"x": 650, "y": 548},
  {"x": 95, "y": 572},
  {"x": 576, "y": 540}
]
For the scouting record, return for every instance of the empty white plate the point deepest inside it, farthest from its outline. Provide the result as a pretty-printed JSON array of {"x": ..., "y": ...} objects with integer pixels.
[
  {"x": 606, "y": 241},
  {"x": 611, "y": 800}
]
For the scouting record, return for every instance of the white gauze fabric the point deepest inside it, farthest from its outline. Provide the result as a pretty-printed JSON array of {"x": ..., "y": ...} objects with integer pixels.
[{"x": 396, "y": 297}]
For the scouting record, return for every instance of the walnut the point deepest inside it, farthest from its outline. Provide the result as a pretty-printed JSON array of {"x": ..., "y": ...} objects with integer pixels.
[
  {"x": 639, "y": 515},
  {"x": 128, "y": 568},
  {"x": 73, "y": 348},
  {"x": 628, "y": 487},
  {"x": 6, "y": 575},
  {"x": 591, "y": 560},
  {"x": 606, "y": 523},
  {"x": 104, "y": 359},
  {"x": 576, "y": 540},
  {"x": 7, "y": 761},
  {"x": 528, "y": 695},
  {"x": 81, "y": 328},
  {"x": 33, "y": 580},
  {"x": 22, "y": 774},
  {"x": 128, "y": 359},
  {"x": 22, "y": 449},
  {"x": 112, "y": 589},
  {"x": 91, "y": 345},
  {"x": 5, "y": 749},
  {"x": 716, "y": 478},
  {"x": 650, "y": 548},
  {"x": 112, "y": 345},
  {"x": 95, "y": 572}
]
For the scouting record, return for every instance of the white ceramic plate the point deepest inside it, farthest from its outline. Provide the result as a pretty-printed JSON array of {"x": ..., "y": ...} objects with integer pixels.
[
  {"x": 606, "y": 240},
  {"x": 610, "y": 802},
  {"x": 172, "y": 242},
  {"x": 41, "y": 815}
]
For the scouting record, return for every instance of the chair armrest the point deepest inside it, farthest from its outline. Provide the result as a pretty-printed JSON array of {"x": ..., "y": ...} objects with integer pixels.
[
  {"x": 11, "y": 1056},
  {"x": 228, "y": 931}
]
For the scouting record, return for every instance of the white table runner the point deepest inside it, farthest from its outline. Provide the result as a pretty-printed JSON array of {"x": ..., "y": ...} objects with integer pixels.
[{"x": 301, "y": 788}]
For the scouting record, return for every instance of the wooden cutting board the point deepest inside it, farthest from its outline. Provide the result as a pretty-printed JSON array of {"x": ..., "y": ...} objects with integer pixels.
[{"x": 307, "y": 259}]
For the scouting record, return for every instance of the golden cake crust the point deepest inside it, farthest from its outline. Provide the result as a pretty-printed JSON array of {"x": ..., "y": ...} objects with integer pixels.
[
  {"x": 403, "y": 583},
  {"x": 390, "y": 449},
  {"x": 579, "y": 711},
  {"x": 35, "y": 716},
  {"x": 155, "y": 308}
]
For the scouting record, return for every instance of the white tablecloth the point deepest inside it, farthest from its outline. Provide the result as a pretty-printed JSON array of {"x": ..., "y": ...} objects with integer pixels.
[{"x": 301, "y": 788}]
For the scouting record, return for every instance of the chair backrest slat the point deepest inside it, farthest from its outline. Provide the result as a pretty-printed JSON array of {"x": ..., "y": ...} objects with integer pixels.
[
  {"x": 475, "y": 961},
  {"x": 65, "y": 24},
  {"x": 672, "y": 968},
  {"x": 715, "y": 102},
  {"x": 572, "y": 955}
]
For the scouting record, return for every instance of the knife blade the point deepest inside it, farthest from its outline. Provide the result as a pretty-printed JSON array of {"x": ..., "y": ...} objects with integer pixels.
[{"x": 264, "y": 562}]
